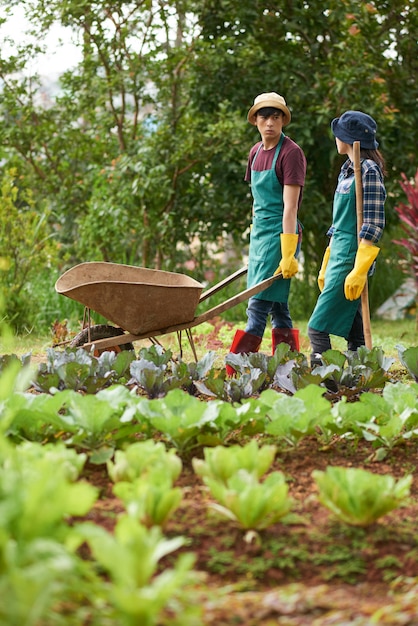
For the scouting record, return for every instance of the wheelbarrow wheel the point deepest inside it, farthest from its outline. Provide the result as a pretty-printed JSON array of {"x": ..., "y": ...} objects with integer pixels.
[{"x": 100, "y": 331}]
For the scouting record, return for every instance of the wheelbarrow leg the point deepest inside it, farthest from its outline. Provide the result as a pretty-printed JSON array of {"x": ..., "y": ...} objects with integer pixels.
[
  {"x": 178, "y": 333},
  {"x": 87, "y": 321},
  {"x": 191, "y": 342}
]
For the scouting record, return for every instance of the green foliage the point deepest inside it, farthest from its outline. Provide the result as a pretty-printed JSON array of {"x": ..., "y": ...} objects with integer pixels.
[
  {"x": 221, "y": 463},
  {"x": 78, "y": 370},
  {"x": 26, "y": 247},
  {"x": 293, "y": 418},
  {"x": 27, "y": 484},
  {"x": 233, "y": 389},
  {"x": 94, "y": 425},
  {"x": 148, "y": 132},
  {"x": 151, "y": 501},
  {"x": 363, "y": 369},
  {"x": 233, "y": 476},
  {"x": 254, "y": 505},
  {"x": 359, "y": 497},
  {"x": 142, "y": 458},
  {"x": 392, "y": 418},
  {"x": 152, "y": 379},
  {"x": 385, "y": 420},
  {"x": 189, "y": 373},
  {"x": 180, "y": 418},
  {"x": 409, "y": 358},
  {"x": 137, "y": 595}
]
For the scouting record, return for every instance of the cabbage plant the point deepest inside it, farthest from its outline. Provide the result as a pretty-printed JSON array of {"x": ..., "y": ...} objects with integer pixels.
[
  {"x": 409, "y": 359},
  {"x": 359, "y": 497}
]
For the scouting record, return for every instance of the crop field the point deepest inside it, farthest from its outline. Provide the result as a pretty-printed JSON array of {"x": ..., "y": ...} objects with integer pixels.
[{"x": 179, "y": 496}]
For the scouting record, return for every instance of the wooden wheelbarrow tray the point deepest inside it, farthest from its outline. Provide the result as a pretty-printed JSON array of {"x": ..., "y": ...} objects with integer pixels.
[{"x": 145, "y": 303}]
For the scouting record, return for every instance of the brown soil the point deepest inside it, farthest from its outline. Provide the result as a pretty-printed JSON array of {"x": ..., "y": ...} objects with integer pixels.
[{"x": 313, "y": 570}]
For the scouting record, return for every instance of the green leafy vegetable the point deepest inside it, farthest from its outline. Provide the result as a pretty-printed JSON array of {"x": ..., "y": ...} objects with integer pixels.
[
  {"x": 144, "y": 458},
  {"x": 223, "y": 462},
  {"x": 409, "y": 359},
  {"x": 152, "y": 500},
  {"x": 254, "y": 505},
  {"x": 181, "y": 418},
  {"x": 293, "y": 418},
  {"x": 359, "y": 497},
  {"x": 136, "y": 593}
]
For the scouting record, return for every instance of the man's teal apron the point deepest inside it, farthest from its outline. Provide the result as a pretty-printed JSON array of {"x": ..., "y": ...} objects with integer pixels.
[
  {"x": 265, "y": 251},
  {"x": 333, "y": 313}
]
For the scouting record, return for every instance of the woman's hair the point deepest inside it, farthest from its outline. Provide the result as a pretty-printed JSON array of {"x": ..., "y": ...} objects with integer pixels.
[{"x": 376, "y": 156}]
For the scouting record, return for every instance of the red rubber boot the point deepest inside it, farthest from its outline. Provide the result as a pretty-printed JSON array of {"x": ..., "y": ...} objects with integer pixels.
[
  {"x": 285, "y": 335},
  {"x": 243, "y": 343}
]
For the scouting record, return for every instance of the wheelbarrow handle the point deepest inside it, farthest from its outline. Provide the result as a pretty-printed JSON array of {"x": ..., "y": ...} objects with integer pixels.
[
  {"x": 237, "y": 299},
  {"x": 226, "y": 281}
]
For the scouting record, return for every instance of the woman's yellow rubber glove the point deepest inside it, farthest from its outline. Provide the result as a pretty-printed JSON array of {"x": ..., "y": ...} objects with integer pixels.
[
  {"x": 321, "y": 275},
  {"x": 356, "y": 279},
  {"x": 288, "y": 265}
]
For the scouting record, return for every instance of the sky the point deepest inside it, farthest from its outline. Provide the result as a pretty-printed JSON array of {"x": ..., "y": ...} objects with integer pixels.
[{"x": 61, "y": 53}]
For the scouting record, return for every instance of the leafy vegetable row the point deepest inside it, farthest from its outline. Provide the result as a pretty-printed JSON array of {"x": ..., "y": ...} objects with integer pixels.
[
  {"x": 116, "y": 416},
  {"x": 155, "y": 372}
]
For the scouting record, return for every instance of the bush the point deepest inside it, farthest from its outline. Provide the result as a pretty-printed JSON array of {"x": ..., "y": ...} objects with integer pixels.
[{"x": 26, "y": 248}]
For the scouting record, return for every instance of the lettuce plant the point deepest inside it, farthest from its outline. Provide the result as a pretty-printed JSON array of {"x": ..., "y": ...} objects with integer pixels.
[
  {"x": 34, "y": 417},
  {"x": 292, "y": 418},
  {"x": 385, "y": 420},
  {"x": 182, "y": 419},
  {"x": 359, "y": 497},
  {"x": 40, "y": 576},
  {"x": 254, "y": 505},
  {"x": 130, "y": 556},
  {"x": 151, "y": 499},
  {"x": 142, "y": 458},
  {"x": 94, "y": 425},
  {"x": 7, "y": 359},
  {"x": 35, "y": 500},
  {"x": 268, "y": 365},
  {"x": 223, "y": 462},
  {"x": 233, "y": 477},
  {"x": 156, "y": 354}
]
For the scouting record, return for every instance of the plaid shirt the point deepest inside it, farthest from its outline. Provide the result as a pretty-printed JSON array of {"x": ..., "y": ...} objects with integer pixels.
[{"x": 374, "y": 196}]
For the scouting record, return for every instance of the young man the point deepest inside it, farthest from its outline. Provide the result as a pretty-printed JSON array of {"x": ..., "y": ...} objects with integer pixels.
[{"x": 276, "y": 171}]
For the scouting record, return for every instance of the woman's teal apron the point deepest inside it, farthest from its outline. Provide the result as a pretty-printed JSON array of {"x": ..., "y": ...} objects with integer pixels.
[
  {"x": 265, "y": 251},
  {"x": 333, "y": 313}
]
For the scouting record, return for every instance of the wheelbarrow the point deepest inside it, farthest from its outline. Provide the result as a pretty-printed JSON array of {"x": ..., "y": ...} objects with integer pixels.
[{"x": 142, "y": 303}]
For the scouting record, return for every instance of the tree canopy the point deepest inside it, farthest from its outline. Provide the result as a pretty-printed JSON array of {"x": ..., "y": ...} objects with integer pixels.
[{"x": 140, "y": 152}]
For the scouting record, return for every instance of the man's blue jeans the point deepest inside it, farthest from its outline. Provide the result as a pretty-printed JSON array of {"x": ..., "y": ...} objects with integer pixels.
[{"x": 258, "y": 311}]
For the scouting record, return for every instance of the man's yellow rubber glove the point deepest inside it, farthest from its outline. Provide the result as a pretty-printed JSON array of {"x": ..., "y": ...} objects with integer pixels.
[
  {"x": 288, "y": 265},
  {"x": 321, "y": 275},
  {"x": 355, "y": 281}
]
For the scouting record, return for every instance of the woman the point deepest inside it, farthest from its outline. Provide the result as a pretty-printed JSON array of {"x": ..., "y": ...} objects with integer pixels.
[{"x": 349, "y": 257}]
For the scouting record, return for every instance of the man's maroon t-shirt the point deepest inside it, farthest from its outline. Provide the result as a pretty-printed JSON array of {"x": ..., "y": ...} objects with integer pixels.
[{"x": 290, "y": 165}]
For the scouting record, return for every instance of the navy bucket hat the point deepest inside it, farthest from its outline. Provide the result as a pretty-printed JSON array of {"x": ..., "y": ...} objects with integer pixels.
[{"x": 356, "y": 126}]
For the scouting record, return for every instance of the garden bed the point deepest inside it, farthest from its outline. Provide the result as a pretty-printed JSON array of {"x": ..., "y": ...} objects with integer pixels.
[{"x": 314, "y": 570}]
